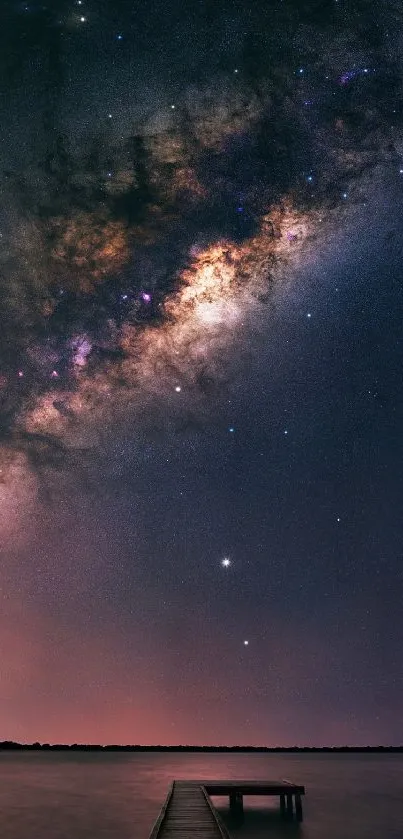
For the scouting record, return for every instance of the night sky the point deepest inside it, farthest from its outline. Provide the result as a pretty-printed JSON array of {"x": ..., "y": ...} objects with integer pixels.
[{"x": 201, "y": 398}]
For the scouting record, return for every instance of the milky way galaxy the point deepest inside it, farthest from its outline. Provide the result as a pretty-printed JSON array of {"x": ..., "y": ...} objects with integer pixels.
[{"x": 129, "y": 264}]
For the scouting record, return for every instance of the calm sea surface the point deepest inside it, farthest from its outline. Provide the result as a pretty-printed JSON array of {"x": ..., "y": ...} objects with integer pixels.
[{"x": 118, "y": 796}]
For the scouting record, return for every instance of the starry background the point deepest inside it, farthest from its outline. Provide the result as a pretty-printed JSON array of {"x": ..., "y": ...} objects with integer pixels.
[{"x": 200, "y": 382}]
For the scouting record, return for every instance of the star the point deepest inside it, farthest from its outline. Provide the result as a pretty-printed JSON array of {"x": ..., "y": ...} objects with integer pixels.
[
  {"x": 226, "y": 562},
  {"x": 231, "y": 429},
  {"x": 83, "y": 19},
  {"x": 246, "y": 643},
  {"x": 178, "y": 388}
]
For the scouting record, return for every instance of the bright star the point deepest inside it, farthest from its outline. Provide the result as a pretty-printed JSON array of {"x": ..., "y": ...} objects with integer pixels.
[
  {"x": 246, "y": 643},
  {"x": 83, "y": 19},
  {"x": 178, "y": 388},
  {"x": 226, "y": 562},
  {"x": 231, "y": 429}
]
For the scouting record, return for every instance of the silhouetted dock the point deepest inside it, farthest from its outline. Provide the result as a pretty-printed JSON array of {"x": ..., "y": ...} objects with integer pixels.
[{"x": 188, "y": 810}]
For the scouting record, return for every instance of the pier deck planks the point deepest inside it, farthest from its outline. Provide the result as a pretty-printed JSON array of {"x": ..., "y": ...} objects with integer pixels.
[{"x": 187, "y": 812}]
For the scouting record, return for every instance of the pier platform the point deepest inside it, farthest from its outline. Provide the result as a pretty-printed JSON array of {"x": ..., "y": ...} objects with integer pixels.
[{"x": 188, "y": 811}]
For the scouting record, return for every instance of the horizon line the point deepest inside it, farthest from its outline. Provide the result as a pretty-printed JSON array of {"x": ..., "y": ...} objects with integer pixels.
[{"x": 4, "y": 744}]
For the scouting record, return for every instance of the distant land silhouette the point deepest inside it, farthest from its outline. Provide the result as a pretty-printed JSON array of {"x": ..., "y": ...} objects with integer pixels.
[{"x": 10, "y": 745}]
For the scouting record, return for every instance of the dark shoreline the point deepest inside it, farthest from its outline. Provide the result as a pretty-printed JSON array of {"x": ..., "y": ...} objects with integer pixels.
[{"x": 9, "y": 745}]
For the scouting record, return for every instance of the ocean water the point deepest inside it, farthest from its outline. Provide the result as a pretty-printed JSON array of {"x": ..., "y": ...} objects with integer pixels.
[{"x": 118, "y": 795}]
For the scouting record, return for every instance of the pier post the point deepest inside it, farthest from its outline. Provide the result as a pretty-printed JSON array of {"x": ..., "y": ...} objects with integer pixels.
[
  {"x": 298, "y": 808},
  {"x": 289, "y": 806},
  {"x": 282, "y": 805},
  {"x": 236, "y": 805}
]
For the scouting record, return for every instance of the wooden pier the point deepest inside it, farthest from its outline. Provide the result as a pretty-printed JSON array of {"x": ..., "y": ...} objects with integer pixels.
[{"x": 188, "y": 810}]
